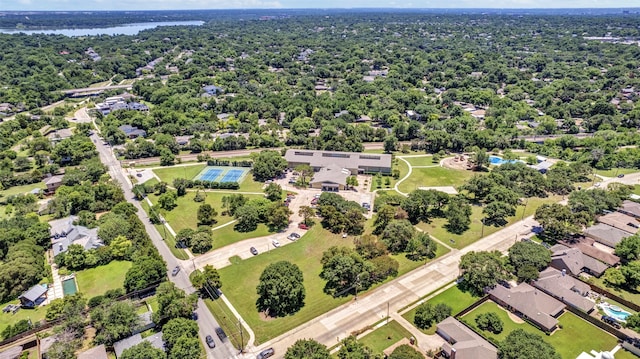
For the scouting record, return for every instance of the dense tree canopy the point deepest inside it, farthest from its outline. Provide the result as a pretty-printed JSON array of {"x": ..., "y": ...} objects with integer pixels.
[
  {"x": 280, "y": 290},
  {"x": 307, "y": 349}
]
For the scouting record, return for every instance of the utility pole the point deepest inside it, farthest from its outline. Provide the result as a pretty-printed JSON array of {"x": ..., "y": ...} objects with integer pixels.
[
  {"x": 241, "y": 336},
  {"x": 387, "y": 312}
]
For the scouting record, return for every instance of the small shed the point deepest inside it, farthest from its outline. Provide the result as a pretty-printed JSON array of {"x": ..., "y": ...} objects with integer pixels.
[{"x": 34, "y": 296}]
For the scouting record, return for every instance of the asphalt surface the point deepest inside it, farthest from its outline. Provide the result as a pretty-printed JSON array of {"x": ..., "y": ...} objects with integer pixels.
[{"x": 206, "y": 321}]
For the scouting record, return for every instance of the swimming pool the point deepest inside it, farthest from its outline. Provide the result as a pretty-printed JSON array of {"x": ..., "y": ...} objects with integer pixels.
[
  {"x": 69, "y": 286},
  {"x": 615, "y": 312},
  {"x": 495, "y": 160}
]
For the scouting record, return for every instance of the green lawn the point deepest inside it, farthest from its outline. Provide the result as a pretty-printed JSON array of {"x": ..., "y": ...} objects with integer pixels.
[
  {"x": 636, "y": 189},
  {"x": 168, "y": 174},
  {"x": 98, "y": 280},
  {"x": 616, "y": 171},
  {"x": 432, "y": 177},
  {"x": 21, "y": 189},
  {"x": 406, "y": 265},
  {"x": 437, "y": 226},
  {"x": 397, "y": 164},
  {"x": 633, "y": 297},
  {"x": 241, "y": 279},
  {"x": 426, "y": 160},
  {"x": 453, "y": 297},
  {"x": 226, "y": 235},
  {"x": 7, "y": 319},
  {"x": 385, "y": 336},
  {"x": 167, "y": 236},
  {"x": 227, "y": 321},
  {"x": 575, "y": 336}
]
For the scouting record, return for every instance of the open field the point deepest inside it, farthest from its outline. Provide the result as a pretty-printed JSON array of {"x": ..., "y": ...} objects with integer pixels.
[
  {"x": 434, "y": 176},
  {"x": 575, "y": 336},
  {"x": 426, "y": 160},
  {"x": 21, "y": 189},
  {"x": 170, "y": 239},
  {"x": 168, "y": 174},
  {"x": 384, "y": 337},
  {"x": 453, "y": 297},
  {"x": 226, "y": 235},
  {"x": 306, "y": 253},
  {"x": 475, "y": 231},
  {"x": 616, "y": 171},
  {"x": 35, "y": 315},
  {"x": 98, "y": 280}
]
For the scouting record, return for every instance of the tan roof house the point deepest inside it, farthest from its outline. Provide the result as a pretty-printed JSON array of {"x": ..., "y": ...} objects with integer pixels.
[
  {"x": 464, "y": 343},
  {"x": 530, "y": 303},
  {"x": 566, "y": 288},
  {"x": 630, "y": 208},
  {"x": 575, "y": 262}
]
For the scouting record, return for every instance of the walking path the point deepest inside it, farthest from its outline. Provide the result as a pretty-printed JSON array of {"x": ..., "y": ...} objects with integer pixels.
[{"x": 54, "y": 291}]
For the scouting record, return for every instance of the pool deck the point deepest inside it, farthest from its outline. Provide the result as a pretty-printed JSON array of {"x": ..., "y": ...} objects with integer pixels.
[{"x": 55, "y": 291}]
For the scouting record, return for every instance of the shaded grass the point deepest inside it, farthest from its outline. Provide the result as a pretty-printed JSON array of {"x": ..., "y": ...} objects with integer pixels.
[
  {"x": 633, "y": 297},
  {"x": 228, "y": 322},
  {"x": 385, "y": 336},
  {"x": 575, "y": 336},
  {"x": 98, "y": 280},
  {"x": 437, "y": 226},
  {"x": 453, "y": 297},
  {"x": 435, "y": 176},
  {"x": 166, "y": 236}
]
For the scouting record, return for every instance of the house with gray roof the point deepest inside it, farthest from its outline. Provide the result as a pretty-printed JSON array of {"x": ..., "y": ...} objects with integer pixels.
[
  {"x": 59, "y": 135},
  {"x": 52, "y": 183},
  {"x": 529, "y": 303},
  {"x": 355, "y": 162},
  {"x": 64, "y": 233},
  {"x": 34, "y": 296},
  {"x": 126, "y": 343},
  {"x": 462, "y": 342},
  {"x": 587, "y": 246},
  {"x": 575, "y": 262},
  {"x": 621, "y": 221},
  {"x": 132, "y": 132},
  {"x": 330, "y": 178},
  {"x": 606, "y": 235},
  {"x": 565, "y": 288},
  {"x": 99, "y": 352},
  {"x": 630, "y": 208}
]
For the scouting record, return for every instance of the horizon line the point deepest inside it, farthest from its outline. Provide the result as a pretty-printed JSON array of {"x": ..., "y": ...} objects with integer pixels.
[{"x": 336, "y": 8}]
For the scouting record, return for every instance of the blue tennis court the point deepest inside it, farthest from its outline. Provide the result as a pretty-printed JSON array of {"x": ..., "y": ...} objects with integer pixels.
[
  {"x": 232, "y": 175},
  {"x": 210, "y": 174}
]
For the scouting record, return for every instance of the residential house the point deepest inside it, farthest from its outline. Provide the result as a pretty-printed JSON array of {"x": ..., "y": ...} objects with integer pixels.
[
  {"x": 621, "y": 221},
  {"x": 630, "y": 208},
  {"x": 59, "y": 135},
  {"x": 330, "y": 178},
  {"x": 183, "y": 140},
  {"x": 575, "y": 262},
  {"x": 211, "y": 90},
  {"x": 99, "y": 352},
  {"x": 606, "y": 235},
  {"x": 126, "y": 343},
  {"x": 462, "y": 342},
  {"x": 566, "y": 288},
  {"x": 52, "y": 183},
  {"x": 587, "y": 246},
  {"x": 529, "y": 303},
  {"x": 353, "y": 161},
  {"x": 34, "y": 296},
  {"x": 64, "y": 233},
  {"x": 132, "y": 131}
]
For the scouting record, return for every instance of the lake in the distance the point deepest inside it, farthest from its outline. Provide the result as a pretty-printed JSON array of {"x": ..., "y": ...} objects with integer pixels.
[{"x": 126, "y": 29}]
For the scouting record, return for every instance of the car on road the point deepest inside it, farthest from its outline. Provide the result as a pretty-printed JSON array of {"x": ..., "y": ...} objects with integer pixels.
[
  {"x": 275, "y": 243},
  {"x": 253, "y": 251},
  {"x": 267, "y": 353},
  {"x": 293, "y": 236},
  {"x": 621, "y": 175},
  {"x": 221, "y": 334},
  {"x": 175, "y": 271},
  {"x": 210, "y": 342},
  {"x": 194, "y": 316}
]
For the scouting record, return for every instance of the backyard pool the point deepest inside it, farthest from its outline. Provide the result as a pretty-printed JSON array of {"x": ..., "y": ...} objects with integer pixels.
[
  {"x": 69, "y": 286},
  {"x": 615, "y": 312},
  {"x": 495, "y": 160}
]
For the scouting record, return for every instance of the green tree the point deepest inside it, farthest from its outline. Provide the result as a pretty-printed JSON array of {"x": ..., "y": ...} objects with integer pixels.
[
  {"x": 629, "y": 248},
  {"x": 368, "y": 246},
  {"x": 273, "y": 192},
  {"x": 525, "y": 255},
  {"x": 167, "y": 200},
  {"x": 390, "y": 144},
  {"x": 385, "y": 214},
  {"x": 480, "y": 160},
  {"x": 490, "y": 322},
  {"x": 143, "y": 350},
  {"x": 114, "y": 321},
  {"x": 173, "y": 303},
  {"x": 557, "y": 221},
  {"x": 280, "y": 290},
  {"x": 248, "y": 218},
  {"x": 307, "y": 213},
  {"x": 267, "y": 165},
  {"x": 201, "y": 242},
  {"x": 144, "y": 272},
  {"x": 351, "y": 348},
  {"x": 481, "y": 270},
  {"x": 496, "y": 213},
  {"x": 524, "y": 345},
  {"x": 427, "y": 314},
  {"x": 614, "y": 277},
  {"x": 307, "y": 349},
  {"x": 344, "y": 270},
  {"x": 305, "y": 172},
  {"x": 405, "y": 351},
  {"x": 121, "y": 247},
  {"x": 206, "y": 214},
  {"x": 421, "y": 246},
  {"x": 278, "y": 216},
  {"x": 208, "y": 276},
  {"x": 397, "y": 235},
  {"x": 186, "y": 348},
  {"x": 180, "y": 184},
  {"x": 458, "y": 215},
  {"x": 177, "y": 328}
]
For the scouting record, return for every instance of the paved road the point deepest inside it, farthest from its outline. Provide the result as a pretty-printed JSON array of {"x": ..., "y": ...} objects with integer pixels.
[
  {"x": 206, "y": 321},
  {"x": 92, "y": 89}
]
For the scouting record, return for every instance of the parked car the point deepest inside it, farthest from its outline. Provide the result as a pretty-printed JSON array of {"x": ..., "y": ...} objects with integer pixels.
[
  {"x": 275, "y": 243},
  {"x": 267, "y": 353},
  {"x": 293, "y": 236},
  {"x": 194, "y": 316},
  {"x": 303, "y": 226},
  {"x": 621, "y": 175},
  {"x": 366, "y": 206},
  {"x": 175, "y": 271},
  {"x": 344, "y": 235},
  {"x": 210, "y": 342},
  {"x": 221, "y": 334},
  {"x": 253, "y": 251}
]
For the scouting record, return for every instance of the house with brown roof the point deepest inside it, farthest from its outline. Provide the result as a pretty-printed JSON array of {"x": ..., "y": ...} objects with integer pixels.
[
  {"x": 575, "y": 262},
  {"x": 565, "y": 288},
  {"x": 529, "y": 303},
  {"x": 606, "y": 235},
  {"x": 463, "y": 343},
  {"x": 630, "y": 208},
  {"x": 587, "y": 246},
  {"x": 52, "y": 183},
  {"x": 621, "y": 221}
]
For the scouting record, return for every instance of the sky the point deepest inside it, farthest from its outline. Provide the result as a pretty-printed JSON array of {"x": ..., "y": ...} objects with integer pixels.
[{"x": 68, "y": 5}]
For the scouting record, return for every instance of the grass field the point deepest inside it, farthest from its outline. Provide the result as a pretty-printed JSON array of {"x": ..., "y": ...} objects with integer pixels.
[
  {"x": 168, "y": 238},
  {"x": 168, "y": 174},
  {"x": 426, "y": 160},
  {"x": 21, "y": 189},
  {"x": 385, "y": 336},
  {"x": 397, "y": 164},
  {"x": 437, "y": 226},
  {"x": 406, "y": 265},
  {"x": 453, "y": 297},
  {"x": 226, "y": 235},
  {"x": 98, "y": 280},
  {"x": 616, "y": 171},
  {"x": 432, "y": 177},
  {"x": 636, "y": 189},
  {"x": 575, "y": 336},
  {"x": 7, "y": 319}
]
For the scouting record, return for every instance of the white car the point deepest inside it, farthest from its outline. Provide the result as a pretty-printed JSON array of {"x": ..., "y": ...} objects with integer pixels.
[
  {"x": 344, "y": 235},
  {"x": 275, "y": 243}
]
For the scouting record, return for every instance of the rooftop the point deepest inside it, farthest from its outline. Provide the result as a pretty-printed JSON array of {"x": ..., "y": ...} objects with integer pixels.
[
  {"x": 621, "y": 221},
  {"x": 126, "y": 343},
  {"x": 570, "y": 290},
  {"x": 631, "y": 208},
  {"x": 467, "y": 343},
  {"x": 99, "y": 352},
  {"x": 605, "y": 234},
  {"x": 341, "y": 159},
  {"x": 332, "y": 173},
  {"x": 531, "y": 302},
  {"x": 34, "y": 292},
  {"x": 574, "y": 261}
]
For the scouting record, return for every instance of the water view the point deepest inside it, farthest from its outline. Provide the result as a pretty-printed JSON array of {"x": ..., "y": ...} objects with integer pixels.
[{"x": 126, "y": 29}]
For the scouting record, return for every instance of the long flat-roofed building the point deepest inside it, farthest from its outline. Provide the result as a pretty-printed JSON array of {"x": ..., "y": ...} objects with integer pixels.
[{"x": 355, "y": 162}]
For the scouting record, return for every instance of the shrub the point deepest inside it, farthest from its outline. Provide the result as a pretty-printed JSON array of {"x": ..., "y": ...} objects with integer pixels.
[{"x": 489, "y": 322}]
